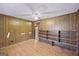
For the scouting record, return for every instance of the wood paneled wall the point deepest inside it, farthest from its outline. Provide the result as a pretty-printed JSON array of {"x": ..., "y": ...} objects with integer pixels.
[
  {"x": 62, "y": 23},
  {"x": 19, "y": 30},
  {"x": 77, "y": 33},
  {"x": 67, "y": 25},
  {"x": 2, "y": 31}
]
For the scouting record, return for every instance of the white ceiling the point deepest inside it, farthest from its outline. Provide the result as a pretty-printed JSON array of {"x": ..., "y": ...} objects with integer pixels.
[{"x": 46, "y": 10}]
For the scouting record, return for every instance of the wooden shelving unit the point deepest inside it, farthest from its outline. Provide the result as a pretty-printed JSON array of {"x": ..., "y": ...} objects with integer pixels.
[{"x": 65, "y": 39}]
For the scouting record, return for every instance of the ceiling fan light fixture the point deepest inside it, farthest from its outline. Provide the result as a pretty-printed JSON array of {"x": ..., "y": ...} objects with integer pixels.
[{"x": 36, "y": 18}]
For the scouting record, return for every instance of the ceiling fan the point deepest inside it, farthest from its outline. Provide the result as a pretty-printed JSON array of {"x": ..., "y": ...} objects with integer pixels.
[{"x": 37, "y": 15}]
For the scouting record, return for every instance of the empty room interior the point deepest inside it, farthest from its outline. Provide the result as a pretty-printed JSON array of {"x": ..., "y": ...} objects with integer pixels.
[{"x": 39, "y": 29}]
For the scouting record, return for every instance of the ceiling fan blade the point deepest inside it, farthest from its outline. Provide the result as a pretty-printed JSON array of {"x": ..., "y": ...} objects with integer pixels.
[
  {"x": 46, "y": 12},
  {"x": 30, "y": 7},
  {"x": 52, "y": 12},
  {"x": 24, "y": 15}
]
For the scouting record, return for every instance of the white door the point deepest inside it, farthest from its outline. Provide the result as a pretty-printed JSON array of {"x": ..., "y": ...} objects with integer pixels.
[{"x": 36, "y": 34}]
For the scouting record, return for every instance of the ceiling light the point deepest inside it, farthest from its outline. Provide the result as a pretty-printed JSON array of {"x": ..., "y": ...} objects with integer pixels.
[{"x": 36, "y": 18}]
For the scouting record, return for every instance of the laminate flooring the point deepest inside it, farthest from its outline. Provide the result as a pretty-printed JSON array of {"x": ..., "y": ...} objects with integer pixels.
[{"x": 32, "y": 48}]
